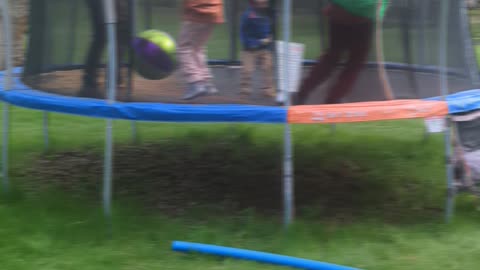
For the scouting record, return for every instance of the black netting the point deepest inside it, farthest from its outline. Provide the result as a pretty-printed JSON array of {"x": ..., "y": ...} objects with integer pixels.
[{"x": 61, "y": 31}]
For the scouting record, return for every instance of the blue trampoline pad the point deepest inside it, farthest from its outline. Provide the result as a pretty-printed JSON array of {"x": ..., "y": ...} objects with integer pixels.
[
  {"x": 462, "y": 102},
  {"x": 22, "y": 96}
]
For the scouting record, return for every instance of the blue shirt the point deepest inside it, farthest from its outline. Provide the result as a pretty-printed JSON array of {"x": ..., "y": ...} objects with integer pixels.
[{"x": 254, "y": 27}]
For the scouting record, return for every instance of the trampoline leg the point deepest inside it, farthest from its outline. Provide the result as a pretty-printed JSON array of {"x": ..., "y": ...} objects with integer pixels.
[
  {"x": 133, "y": 27},
  {"x": 5, "y": 148},
  {"x": 110, "y": 20},
  {"x": 288, "y": 187},
  {"x": 232, "y": 7},
  {"x": 451, "y": 190},
  {"x": 46, "y": 140},
  {"x": 451, "y": 194},
  {"x": 443, "y": 61},
  {"x": 107, "y": 171},
  {"x": 7, "y": 81}
]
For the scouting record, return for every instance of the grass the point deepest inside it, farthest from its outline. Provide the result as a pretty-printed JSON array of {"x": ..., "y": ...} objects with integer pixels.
[
  {"x": 62, "y": 234},
  {"x": 55, "y": 228}
]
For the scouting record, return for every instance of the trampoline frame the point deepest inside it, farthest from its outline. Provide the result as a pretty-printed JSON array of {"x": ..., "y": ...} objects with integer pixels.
[
  {"x": 288, "y": 177},
  {"x": 8, "y": 39},
  {"x": 443, "y": 28}
]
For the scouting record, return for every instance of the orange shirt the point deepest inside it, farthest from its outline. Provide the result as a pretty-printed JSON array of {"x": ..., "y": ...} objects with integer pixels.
[{"x": 203, "y": 11}]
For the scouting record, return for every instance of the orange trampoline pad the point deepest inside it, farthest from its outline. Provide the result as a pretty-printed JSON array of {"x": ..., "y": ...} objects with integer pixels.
[{"x": 366, "y": 111}]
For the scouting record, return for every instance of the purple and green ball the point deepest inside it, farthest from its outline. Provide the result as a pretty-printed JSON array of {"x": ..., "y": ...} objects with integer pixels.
[{"x": 155, "y": 54}]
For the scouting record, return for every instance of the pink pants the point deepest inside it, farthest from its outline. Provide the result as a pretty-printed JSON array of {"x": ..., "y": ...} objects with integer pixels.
[{"x": 191, "y": 51}]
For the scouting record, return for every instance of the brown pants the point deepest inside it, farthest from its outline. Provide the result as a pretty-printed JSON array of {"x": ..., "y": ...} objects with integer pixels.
[
  {"x": 347, "y": 34},
  {"x": 250, "y": 60}
]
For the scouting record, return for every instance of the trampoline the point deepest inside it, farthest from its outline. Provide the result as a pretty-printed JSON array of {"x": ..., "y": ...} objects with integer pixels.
[
  {"x": 426, "y": 55},
  {"x": 62, "y": 39}
]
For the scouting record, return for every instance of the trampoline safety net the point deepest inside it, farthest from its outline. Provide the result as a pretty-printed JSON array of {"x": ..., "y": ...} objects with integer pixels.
[{"x": 66, "y": 40}]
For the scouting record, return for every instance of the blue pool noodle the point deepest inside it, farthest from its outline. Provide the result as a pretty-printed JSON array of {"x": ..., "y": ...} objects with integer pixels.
[{"x": 256, "y": 256}]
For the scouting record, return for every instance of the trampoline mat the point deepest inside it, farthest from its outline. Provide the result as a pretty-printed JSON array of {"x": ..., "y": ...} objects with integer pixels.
[{"x": 405, "y": 84}]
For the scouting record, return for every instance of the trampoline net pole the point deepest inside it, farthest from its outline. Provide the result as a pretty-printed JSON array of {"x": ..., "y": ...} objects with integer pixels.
[
  {"x": 470, "y": 56},
  {"x": 8, "y": 39},
  {"x": 147, "y": 10},
  {"x": 422, "y": 20},
  {"x": 321, "y": 24},
  {"x": 133, "y": 27},
  {"x": 288, "y": 188},
  {"x": 48, "y": 59},
  {"x": 72, "y": 41},
  {"x": 273, "y": 15},
  {"x": 442, "y": 57},
  {"x": 407, "y": 45},
  {"x": 232, "y": 10},
  {"x": 110, "y": 20}
]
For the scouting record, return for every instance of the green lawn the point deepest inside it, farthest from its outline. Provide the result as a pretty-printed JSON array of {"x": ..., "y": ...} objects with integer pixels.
[
  {"x": 64, "y": 229},
  {"x": 63, "y": 234}
]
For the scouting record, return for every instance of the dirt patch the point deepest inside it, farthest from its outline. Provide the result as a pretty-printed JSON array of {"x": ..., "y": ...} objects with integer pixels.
[{"x": 177, "y": 176}]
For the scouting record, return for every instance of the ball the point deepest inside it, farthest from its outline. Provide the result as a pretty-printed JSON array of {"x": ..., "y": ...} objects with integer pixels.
[{"x": 154, "y": 54}]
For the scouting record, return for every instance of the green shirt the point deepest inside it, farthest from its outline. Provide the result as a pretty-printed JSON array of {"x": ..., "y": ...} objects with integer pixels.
[{"x": 363, "y": 8}]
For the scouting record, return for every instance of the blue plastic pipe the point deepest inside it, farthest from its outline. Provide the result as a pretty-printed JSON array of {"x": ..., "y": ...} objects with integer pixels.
[{"x": 256, "y": 256}]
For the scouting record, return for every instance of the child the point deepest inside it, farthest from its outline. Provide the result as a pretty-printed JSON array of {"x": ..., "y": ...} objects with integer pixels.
[
  {"x": 256, "y": 37},
  {"x": 199, "y": 20},
  {"x": 351, "y": 30},
  {"x": 96, "y": 9}
]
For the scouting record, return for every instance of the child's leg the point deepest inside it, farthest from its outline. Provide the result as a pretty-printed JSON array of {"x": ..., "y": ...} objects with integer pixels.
[
  {"x": 202, "y": 59},
  {"x": 266, "y": 65},
  {"x": 187, "y": 54},
  {"x": 207, "y": 77},
  {"x": 327, "y": 62},
  {"x": 361, "y": 39},
  {"x": 202, "y": 62},
  {"x": 248, "y": 66},
  {"x": 97, "y": 45},
  {"x": 192, "y": 58},
  {"x": 204, "y": 31}
]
